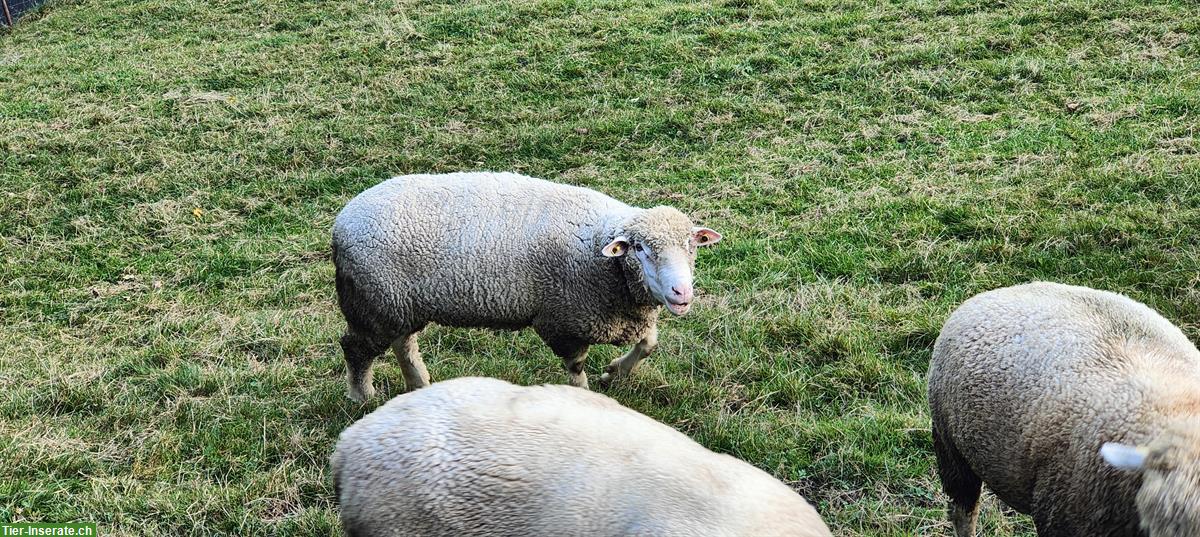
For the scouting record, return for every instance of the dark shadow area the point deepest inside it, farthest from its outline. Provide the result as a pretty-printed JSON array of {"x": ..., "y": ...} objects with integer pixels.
[{"x": 13, "y": 9}]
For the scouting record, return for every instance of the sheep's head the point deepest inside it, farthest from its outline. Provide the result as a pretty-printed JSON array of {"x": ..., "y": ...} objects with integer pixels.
[
  {"x": 1169, "y": 499},
  {"x": 659, "y": 248}
]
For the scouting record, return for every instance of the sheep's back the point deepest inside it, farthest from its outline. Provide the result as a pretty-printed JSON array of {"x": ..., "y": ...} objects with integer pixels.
[
  {"x": 1030, "y": 380},
  {"x": 549, "y": 460},
  {"x": 451, "y": 245}
]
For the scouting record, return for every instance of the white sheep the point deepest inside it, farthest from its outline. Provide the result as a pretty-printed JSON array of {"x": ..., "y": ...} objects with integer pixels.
[
  {"x": 1033, "y": 388},
  {"x": 482, "y": 457},
  {"x": 501, "y": 250}
]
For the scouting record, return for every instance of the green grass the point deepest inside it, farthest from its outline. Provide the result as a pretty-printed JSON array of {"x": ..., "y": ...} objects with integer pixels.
[{"x": 170, "y": 169}]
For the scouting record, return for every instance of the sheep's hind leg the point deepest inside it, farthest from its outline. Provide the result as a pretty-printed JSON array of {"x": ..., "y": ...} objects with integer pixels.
[
  {"x": 960, "y": 483},
  {"x": 623, "y": 365},
  {"x": 360, "y": 351},
  {"x": 415, "y": 374},
  {"x": 574, "y": 355}
]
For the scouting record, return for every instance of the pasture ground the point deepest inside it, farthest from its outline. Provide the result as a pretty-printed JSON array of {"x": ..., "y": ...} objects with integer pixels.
[{"x": 169, "y": 171}]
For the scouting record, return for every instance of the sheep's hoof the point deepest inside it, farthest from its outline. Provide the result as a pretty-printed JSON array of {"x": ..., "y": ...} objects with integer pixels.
[
  {"x": 610, "y": 374},
  {"x": 579, "y": 382},
  {"x": 360, "y": 395}
]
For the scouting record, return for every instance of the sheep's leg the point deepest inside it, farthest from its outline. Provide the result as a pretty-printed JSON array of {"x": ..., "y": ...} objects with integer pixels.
[
  {"x": 573, "y": 362},
  {"x": 960, "y": 483},
  {"x": 360, "y": 351},
  {"x": 624, "y": 365},
  {"x": 573, "y": 353},
  {"x": 415, "y": 374}
]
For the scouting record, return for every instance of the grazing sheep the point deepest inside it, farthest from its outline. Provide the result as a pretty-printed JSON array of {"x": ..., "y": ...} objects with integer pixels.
[
  {"x": 1033, "y": 388},
  {"x": 500, "y": 250},
  {"x": 482, "y": 457}
]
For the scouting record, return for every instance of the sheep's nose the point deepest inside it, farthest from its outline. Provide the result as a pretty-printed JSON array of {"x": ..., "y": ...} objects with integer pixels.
[{"x": 683, "y": 293}]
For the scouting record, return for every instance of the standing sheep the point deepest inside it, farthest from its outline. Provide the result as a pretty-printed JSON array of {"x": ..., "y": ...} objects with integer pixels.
[
  {"x": 482, "y": 457},
  {"x": 1037, "y": 389},
  {"x": 500, "y": 250}
]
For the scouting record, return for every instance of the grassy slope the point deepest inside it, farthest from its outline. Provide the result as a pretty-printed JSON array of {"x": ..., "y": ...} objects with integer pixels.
[{"x": 168, "y": 369}]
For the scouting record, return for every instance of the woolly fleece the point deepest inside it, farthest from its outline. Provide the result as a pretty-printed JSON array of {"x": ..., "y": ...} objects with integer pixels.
[
  {"x": 482, "y": 457},
  {"x": 1027, "y": 382}
]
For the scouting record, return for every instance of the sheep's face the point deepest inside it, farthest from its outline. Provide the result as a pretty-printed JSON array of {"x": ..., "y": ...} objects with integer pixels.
[
  {"x": 659, "y": 245},
  {"x": 1169, "y": 498}
]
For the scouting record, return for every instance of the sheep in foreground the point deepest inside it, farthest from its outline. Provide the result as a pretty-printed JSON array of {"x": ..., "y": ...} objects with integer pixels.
[
  {"x": 1077, "y": 406},
  {"x": 500, "y": 250},
  {"x": 482, "y": 457}
]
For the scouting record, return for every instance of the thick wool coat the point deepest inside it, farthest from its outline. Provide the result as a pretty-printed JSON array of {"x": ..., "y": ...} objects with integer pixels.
[{"x": 481, "y": 457}]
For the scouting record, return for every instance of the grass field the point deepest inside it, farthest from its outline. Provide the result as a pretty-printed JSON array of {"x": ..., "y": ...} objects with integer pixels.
[{"x": 170, "y": 169}]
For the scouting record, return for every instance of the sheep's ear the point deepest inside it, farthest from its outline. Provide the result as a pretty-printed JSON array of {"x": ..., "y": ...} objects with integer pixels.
[
  {"x": 702, "y": 236},
  {"x": 616, "y": 248},
  {"x": 1123, "y": 457}
]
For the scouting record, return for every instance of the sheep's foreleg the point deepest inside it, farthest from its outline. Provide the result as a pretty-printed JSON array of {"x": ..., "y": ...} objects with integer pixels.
[{"x": 624, "y": 365}]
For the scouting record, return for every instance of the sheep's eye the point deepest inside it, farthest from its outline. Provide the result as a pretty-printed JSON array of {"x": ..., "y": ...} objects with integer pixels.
[{"x": 639, "y": 247}]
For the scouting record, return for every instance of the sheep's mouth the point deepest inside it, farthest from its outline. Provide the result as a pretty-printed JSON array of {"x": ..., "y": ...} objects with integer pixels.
[{"x": 678, "y": 309}]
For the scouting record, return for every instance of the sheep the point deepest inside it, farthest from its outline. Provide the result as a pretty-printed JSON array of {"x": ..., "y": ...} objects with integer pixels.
[
  {"x": 506, "y": 251},
  {"x": 482, "y": 457},
  {"x": 1076, "y": 406}
]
